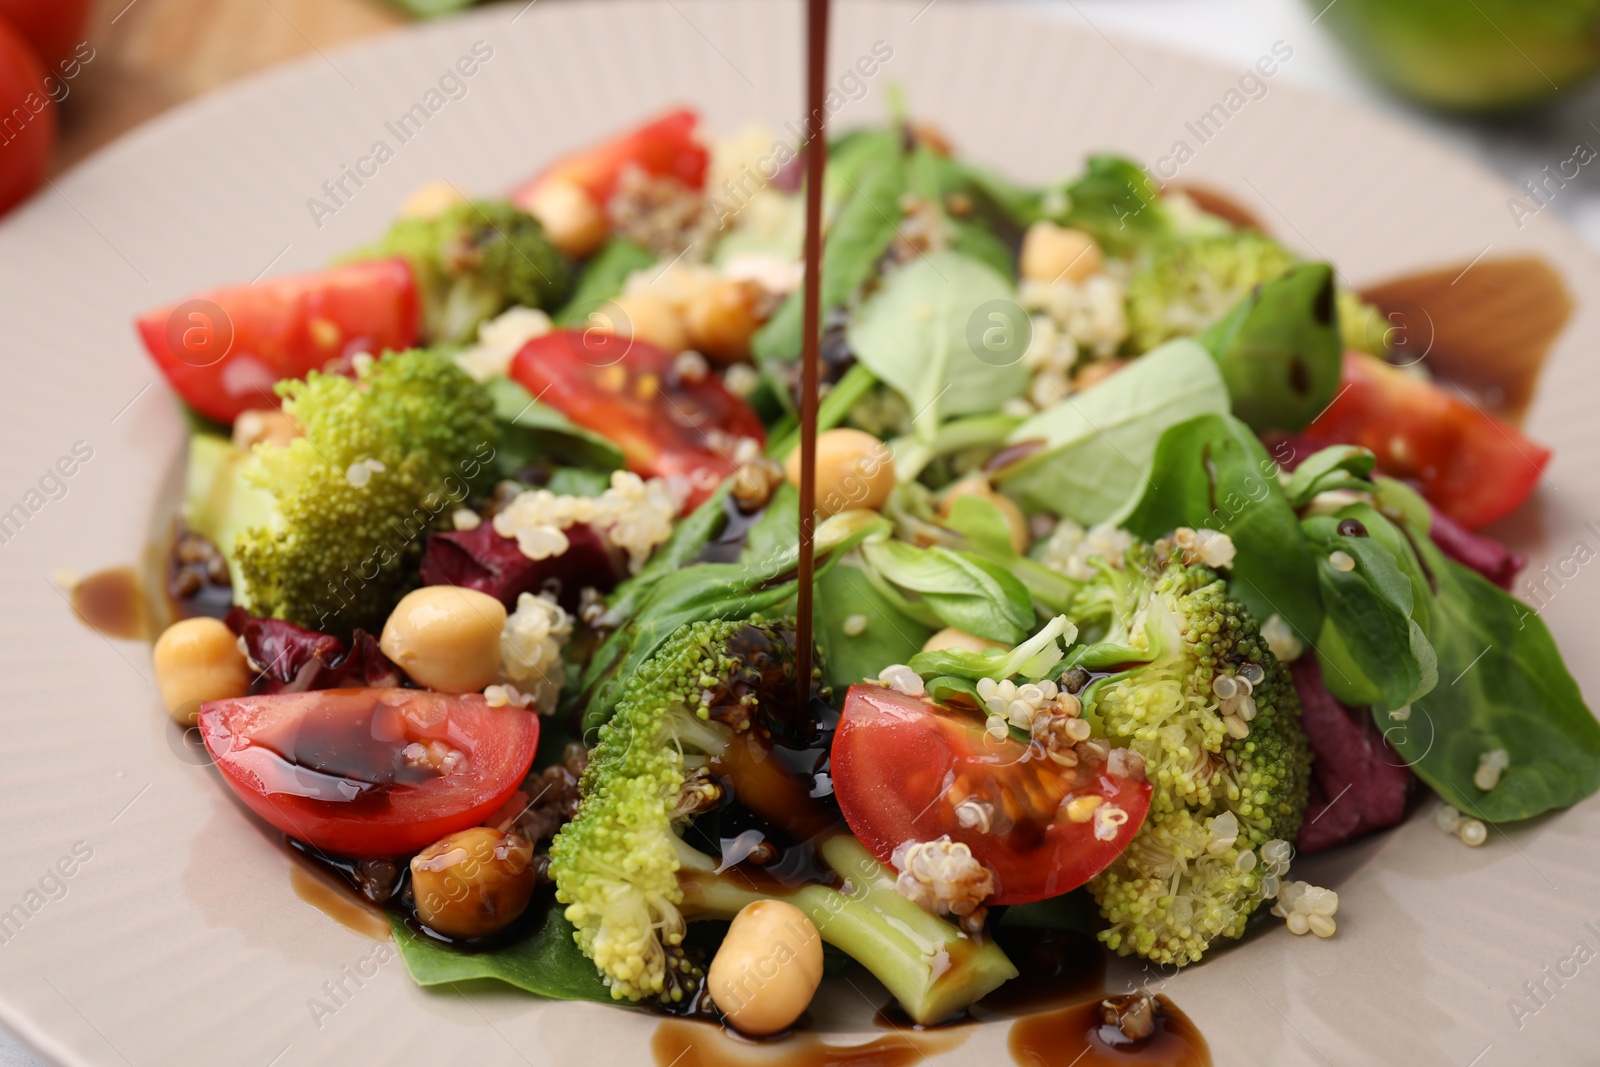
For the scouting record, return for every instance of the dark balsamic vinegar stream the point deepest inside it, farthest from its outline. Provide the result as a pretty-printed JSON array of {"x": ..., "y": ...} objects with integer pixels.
[{"x": 816, "y": 150}]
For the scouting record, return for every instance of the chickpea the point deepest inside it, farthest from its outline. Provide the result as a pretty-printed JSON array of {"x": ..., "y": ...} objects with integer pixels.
[
  {"x": 571, "y": 219},
  {"x": 950, "y": 637},
  {"x": 1054, "y": 253},
  {"x": 430, "y": 199},
  {"x": 197, "y": 660},
  {"x": 473, "y": 882},
  {"x": 978, "y": 485},
  {"x": 854, "y": 470},
  {"x": 648, "y": 317},
  {"x": 446, "y": 638},
  {"x": 722, "y": 317},
  {"x": 768, "y": 968}
]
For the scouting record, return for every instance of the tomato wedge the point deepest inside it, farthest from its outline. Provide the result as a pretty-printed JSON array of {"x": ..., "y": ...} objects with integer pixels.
[
  {"x": 663, "y": 148},
  {"x": 223, "y": 350},
  {"x": 628, "y": 390},
  {"x": 901, "y": 764},
  {"x": 350, "y": 771},
  {"x": 1474, "y": 468}
]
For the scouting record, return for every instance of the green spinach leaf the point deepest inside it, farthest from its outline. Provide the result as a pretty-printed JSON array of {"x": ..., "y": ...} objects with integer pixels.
[
  {"x": 1211, "y": 472},
  {"x": 889, "y": 636},
  {"x": 1370, "y": 648},
  {"x": 531, "y": 431},
  {"x": 1336, "y": 467},
  {"x": 711, "y": 591},
  {"x": 915, "y": 334},
  {"x": 1279, "y": 349},
  {"x": 859, "y": 235},
  {"x": 696, "y": 530},
  {"x": 962, "y": 590},
  {"x": 575, "y": 481},
  {"x": 988, "y": 534},
  {"x": 602, "y": 279},
  {"x": 546, "y": 962},
  {"x": 1117, "y": 202},
  {"x": 776, "y": 529},
  {"x": 1502, "y": 685},
  {"x": 1097, "y": 446},
  {"x": 846, "y": 393}
]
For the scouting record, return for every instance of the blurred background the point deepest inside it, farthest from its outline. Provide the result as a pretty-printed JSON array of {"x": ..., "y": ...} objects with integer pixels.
[{"x": 1508, "y": 82}]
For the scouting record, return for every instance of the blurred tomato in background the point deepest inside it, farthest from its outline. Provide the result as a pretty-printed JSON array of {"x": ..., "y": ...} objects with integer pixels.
[
  {"x": 38, "y": 39},
  {"x": 52, "y": 28},
  {"x": 27, "y": 119}
]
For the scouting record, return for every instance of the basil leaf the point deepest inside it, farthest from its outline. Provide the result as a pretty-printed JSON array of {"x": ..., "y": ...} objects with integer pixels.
[
  {"x": 602, "y": 279},
  {"x": 1371, "y": 650},
  {"x": 1279, "y": 349},
  {"x": 531, "y": 431},
  {"x": 890, "y": 636},
  {"x": 1119, "y": 204},
  {"x": 1335, "y": 467},
  {"x": 1211, "y": 472},
  {"x": 1099, "y": 444},
  {"x": 964, "y": 591},
  {"x": 1502, "y": 685},
  {"x": 857, "y": 239},
  {"x": 547, "y": 962},
  {"x": 914, "y": 334}
]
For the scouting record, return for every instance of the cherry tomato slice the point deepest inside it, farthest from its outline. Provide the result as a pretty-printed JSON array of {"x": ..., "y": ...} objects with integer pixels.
[
  {"x": 224, "y": 350},
  {"x": 901, "y": 764},
  {"x": 662, "y": 148},
  {"x": 629, "y": 391},
  {"x": 28, "y": 135},
  {"x": 337, "y": 769},
  {"x": 1474, "y": 468}
]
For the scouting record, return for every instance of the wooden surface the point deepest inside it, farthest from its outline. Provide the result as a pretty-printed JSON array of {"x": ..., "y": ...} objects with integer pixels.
[{"x": 152, "y": 54}]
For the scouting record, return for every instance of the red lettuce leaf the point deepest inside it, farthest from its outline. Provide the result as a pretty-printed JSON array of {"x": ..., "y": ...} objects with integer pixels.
[
  {"x": 294, "y": 659},
  {"x": 1471, "y": 549},
  {"x": 481, "y": 559},
  {"x": 1358, "y": 783}
]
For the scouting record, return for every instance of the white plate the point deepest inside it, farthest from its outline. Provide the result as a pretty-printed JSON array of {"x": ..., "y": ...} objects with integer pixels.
[{"x": 180, "y": 940}]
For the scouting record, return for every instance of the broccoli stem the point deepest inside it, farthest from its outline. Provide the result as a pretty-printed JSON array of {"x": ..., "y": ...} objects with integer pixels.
[{"x": 930, "y": 966}]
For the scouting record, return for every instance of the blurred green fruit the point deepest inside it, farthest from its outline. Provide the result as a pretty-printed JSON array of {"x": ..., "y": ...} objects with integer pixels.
[{"x": 1471, "y": 55}]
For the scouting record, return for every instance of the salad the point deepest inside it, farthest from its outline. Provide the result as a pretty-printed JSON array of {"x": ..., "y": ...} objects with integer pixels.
[{"x": 1143, "y": 568}]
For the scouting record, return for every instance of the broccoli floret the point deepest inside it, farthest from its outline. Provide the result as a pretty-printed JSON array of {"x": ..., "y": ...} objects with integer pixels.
[
  {"x": 385, "y": 457},
  {"x": 472, "y": 261},
  {"x": 631, "y": 883},
  {"x": 1216, "y": 718},
  {"x": 1185, "y": 286}
]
